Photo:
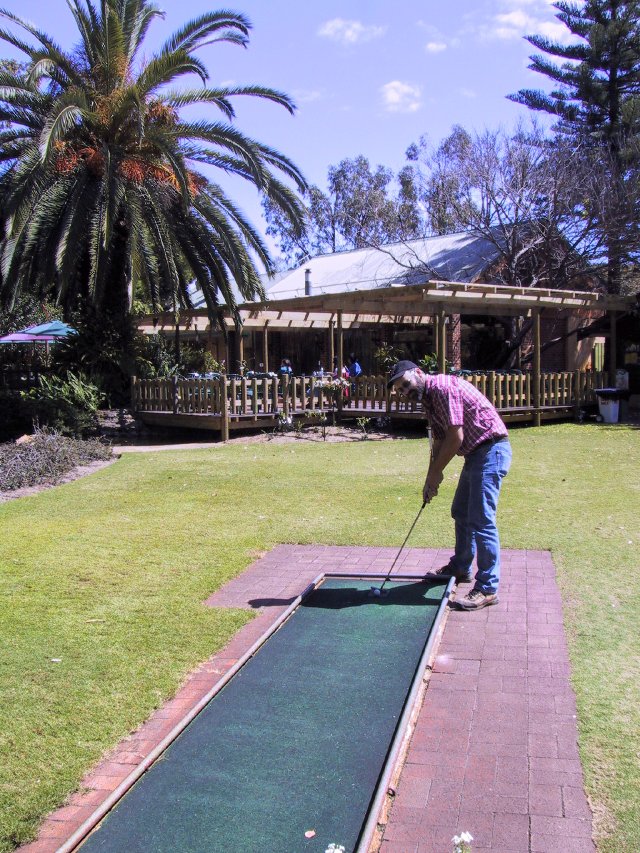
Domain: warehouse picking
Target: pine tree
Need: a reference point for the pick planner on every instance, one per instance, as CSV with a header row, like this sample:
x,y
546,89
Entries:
x,y
596,98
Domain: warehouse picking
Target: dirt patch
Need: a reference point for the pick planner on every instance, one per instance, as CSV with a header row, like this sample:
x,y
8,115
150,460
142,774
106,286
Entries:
x,y
314,435
69,477
309,435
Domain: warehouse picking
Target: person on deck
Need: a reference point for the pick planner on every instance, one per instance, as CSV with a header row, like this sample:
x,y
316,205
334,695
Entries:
x,y
354,367
463,423
285,367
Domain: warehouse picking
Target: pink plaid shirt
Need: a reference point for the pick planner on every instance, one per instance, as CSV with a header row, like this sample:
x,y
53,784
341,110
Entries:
x,y
452,401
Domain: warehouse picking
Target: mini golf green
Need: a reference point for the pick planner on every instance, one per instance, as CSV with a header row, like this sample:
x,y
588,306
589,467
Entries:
x,y
295,742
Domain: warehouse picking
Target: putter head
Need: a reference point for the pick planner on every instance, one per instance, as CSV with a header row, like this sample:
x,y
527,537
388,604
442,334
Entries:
x,y
378,592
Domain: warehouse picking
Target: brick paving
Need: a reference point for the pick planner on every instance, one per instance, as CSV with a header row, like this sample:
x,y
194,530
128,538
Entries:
x,y
494,748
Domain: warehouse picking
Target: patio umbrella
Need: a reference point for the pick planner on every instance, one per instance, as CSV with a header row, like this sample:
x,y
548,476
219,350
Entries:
x,y
54,329
44,333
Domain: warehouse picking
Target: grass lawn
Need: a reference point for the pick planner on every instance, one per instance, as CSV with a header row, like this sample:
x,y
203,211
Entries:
x,y
107,576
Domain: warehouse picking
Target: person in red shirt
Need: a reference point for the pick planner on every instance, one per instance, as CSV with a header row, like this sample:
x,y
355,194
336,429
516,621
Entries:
x,y
464,423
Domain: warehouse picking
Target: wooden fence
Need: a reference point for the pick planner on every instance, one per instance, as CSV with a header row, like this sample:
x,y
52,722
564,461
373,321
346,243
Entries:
x,y
235,403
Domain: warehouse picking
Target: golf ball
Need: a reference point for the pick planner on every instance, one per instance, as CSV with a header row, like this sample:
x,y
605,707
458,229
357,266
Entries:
x,y
376,591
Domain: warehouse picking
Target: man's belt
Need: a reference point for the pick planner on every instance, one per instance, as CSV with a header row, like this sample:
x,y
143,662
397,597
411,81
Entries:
x,y
490,441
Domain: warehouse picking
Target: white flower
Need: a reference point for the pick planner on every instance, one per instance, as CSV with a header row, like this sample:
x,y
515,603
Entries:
x,y
462,843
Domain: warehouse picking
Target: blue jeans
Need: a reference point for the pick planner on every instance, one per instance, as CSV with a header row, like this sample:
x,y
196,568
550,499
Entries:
x,y
474,511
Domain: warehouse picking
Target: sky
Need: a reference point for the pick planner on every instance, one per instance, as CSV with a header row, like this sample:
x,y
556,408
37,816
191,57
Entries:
x,y
368,78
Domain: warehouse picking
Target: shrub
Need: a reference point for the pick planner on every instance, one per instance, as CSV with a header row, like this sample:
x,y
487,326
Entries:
x,y
386,356
68,405
107,351
45,458
429,363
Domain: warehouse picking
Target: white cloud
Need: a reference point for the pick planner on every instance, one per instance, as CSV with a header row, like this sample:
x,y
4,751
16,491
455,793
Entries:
x,y
306,96
515,19
467,93
437,41
516,24
349,32
399,97
511,25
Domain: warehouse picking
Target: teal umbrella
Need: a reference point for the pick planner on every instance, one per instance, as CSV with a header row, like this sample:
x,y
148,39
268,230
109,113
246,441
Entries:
x,y
54,329
45,333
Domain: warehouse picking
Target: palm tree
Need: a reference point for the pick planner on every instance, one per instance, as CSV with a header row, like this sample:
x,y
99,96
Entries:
x,y
100,176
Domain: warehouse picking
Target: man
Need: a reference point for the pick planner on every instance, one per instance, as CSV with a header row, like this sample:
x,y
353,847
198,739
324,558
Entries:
x,y
464,423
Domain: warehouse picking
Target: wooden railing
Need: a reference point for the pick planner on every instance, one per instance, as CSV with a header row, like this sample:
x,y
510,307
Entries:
x,y
242,398
516,390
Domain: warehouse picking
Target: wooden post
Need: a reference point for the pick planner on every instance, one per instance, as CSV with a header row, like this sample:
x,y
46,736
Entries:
x,y
134,393
285,379
442,348
176,336
332,352
436,335
613,346
340,355
240,351
224,411
536,369
174,394
576,394
265,347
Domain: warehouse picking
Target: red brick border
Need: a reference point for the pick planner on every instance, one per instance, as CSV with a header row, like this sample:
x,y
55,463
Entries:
x,y
494,749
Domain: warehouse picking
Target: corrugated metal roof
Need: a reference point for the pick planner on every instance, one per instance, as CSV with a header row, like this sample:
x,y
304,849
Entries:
x,y
454,257
197,299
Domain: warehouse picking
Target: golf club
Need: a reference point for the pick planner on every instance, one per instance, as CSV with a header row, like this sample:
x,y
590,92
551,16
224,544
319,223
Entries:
x,y
377,592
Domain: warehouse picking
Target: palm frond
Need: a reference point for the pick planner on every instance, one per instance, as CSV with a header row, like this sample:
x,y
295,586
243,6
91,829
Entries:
x,y
73,226
86,24
174,158
59,123
25,97
23,46
166,67
215,97
220,212
136,21
161,237
113,65
56,54
264,92
197,32
17,115
227,137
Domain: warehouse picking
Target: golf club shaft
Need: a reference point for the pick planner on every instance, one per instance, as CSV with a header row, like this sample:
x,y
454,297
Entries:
x,y
403,544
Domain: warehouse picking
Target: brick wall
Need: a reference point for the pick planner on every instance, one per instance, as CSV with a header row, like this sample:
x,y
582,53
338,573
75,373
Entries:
x,y
454,341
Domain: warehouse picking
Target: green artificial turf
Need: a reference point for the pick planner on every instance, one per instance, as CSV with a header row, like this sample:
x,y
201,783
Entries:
x,y
295,742
107,575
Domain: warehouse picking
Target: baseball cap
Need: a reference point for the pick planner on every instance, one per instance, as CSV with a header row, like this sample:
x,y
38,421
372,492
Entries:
x,y
399,370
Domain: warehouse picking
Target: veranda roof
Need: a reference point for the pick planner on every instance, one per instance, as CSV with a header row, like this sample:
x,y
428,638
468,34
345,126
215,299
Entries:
x,y
399,304
402,303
